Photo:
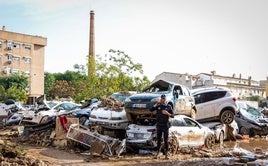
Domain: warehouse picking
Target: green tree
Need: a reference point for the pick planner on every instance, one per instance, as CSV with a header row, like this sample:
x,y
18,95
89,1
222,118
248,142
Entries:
x,y
48,84
115,71
14,87
62,89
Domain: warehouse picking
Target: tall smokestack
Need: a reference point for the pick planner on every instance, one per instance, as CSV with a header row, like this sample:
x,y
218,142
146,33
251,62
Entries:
x,y
91,54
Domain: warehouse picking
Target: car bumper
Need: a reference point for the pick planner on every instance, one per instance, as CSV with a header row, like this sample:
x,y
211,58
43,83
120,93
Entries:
x,y
144,143
112,124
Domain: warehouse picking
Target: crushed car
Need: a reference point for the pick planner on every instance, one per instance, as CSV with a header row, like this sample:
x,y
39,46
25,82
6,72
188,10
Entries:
x,y
61,108
221,130
184,132
250,121
178,97
83,114
110,116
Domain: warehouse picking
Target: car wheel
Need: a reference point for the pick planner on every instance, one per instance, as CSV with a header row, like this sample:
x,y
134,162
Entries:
x,y
227,117
82,120
44,119
244,131
252,132
210,141
173,145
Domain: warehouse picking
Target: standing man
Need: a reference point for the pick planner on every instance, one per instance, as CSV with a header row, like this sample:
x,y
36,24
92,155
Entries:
x,y
163,112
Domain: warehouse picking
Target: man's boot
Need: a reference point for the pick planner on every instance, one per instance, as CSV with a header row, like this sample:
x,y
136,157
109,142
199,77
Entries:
x,y
166,155
157,155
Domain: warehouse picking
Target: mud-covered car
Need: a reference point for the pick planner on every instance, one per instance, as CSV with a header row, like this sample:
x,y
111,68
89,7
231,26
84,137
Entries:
x,y
250,121
184,132
111,113
61,108
178,97
220,130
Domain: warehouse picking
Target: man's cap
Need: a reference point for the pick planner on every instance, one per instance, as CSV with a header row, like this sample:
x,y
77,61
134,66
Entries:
x,y
163,96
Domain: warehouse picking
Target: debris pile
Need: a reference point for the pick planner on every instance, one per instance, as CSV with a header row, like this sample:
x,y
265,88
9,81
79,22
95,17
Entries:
x,y
111,103
14,154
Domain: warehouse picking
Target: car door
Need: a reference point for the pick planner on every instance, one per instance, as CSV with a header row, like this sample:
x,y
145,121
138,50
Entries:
x,y
195,133
178,127
205,105
182,102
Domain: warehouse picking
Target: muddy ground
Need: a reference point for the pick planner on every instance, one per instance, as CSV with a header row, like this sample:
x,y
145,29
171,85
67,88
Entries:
x,y
17,153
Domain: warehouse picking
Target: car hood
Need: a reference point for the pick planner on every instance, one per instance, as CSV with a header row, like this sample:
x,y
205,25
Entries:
x,y
143,96
102,113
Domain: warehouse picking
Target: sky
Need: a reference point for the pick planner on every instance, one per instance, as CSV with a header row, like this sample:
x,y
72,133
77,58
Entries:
x,y
177,36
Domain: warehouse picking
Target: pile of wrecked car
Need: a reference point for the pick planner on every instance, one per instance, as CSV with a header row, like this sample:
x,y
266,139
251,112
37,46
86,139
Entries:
x,y
124,118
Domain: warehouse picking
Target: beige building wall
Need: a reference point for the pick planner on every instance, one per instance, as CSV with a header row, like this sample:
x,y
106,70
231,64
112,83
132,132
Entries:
x,y
23,54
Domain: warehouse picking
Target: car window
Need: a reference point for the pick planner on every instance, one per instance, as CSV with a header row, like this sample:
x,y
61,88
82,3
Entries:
x,y
185,91
208,96
66,106
176,122
253,111
190,123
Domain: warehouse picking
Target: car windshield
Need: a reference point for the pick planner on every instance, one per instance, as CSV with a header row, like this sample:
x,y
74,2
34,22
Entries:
x,y
162,87
249,111
120,96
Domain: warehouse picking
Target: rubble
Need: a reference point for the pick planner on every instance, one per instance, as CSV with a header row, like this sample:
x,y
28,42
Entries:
x,y
111,103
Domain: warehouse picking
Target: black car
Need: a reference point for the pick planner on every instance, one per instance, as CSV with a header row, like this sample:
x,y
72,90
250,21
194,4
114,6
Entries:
x,y
250,121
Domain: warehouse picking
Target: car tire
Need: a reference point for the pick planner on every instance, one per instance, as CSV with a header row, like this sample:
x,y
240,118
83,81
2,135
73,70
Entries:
x,y
210,141
82,120
173,146
244,131
227,117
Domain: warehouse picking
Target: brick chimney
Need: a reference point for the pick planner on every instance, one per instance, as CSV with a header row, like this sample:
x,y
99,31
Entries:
x,y
91,54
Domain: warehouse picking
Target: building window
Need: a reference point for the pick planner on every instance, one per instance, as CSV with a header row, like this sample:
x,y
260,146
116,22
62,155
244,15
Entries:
x,y
8,70
27,60
15,71
27,47
9,45
9,57
27,72
14,58
16,45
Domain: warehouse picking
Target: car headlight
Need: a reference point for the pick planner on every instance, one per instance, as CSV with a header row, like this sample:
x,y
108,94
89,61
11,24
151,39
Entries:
x,y
155,99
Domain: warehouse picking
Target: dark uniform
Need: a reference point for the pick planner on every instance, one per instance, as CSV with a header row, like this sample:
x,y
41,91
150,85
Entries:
x,y
162,123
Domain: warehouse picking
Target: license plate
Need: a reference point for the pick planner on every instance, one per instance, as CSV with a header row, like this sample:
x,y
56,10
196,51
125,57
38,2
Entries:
x,y
139,105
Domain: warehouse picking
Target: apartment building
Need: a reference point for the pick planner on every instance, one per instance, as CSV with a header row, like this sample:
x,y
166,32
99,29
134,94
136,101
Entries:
x,y
23,54
241,87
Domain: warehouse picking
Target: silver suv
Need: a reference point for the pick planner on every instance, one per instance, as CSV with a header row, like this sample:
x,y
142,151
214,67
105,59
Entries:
x,y
215,104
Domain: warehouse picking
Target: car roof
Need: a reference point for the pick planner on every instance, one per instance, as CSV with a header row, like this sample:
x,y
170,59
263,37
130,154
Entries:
x,y
209,89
